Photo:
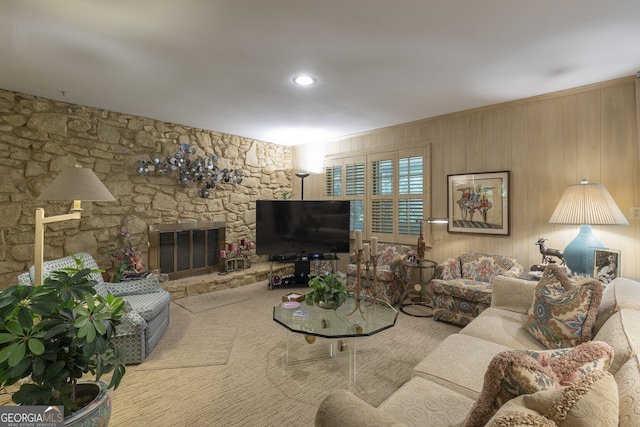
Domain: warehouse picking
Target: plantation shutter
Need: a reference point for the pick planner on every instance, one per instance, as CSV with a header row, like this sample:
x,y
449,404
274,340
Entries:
x,y
410,190
354,189
382,196
388,191
333,181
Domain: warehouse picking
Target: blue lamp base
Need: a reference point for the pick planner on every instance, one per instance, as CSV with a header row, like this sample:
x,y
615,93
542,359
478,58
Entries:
x,y
578,255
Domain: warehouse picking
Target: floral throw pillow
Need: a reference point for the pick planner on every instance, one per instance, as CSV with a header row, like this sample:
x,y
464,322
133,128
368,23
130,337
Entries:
x,y
563,314
591,400
516,372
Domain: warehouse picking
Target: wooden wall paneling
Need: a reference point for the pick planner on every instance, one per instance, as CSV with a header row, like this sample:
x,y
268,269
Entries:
x,y
435,132
547,142
514,135
618,150
528,184
499,159
634,271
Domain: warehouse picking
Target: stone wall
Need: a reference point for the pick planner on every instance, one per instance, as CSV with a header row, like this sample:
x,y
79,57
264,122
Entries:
x,y
40,137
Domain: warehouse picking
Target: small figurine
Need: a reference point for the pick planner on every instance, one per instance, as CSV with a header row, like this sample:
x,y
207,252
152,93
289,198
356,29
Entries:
x,y
547,253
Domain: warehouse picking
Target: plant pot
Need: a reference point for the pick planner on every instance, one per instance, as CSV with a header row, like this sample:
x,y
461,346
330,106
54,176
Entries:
x,y
97,412
325,304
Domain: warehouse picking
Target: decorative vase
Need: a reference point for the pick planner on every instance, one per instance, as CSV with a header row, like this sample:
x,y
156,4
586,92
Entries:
x,y
97,412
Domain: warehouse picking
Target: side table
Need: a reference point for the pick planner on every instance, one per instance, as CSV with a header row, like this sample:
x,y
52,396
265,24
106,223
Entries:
x,y
426,271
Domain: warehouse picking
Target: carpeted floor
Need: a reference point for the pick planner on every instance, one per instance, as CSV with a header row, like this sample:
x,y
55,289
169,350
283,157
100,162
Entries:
x,y
199,303
256,387
182,345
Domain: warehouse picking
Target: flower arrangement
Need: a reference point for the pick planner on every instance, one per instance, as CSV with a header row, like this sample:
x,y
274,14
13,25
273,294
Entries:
x,y
128,255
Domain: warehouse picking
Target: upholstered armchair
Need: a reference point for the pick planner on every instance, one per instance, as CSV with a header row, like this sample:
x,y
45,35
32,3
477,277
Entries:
x,y
390,274
146,306
463,288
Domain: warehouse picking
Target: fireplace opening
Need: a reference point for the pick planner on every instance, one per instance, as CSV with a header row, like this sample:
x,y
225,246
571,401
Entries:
x,y
186,249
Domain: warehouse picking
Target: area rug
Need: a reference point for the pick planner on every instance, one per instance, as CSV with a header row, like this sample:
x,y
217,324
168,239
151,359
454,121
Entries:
x,y
211,300
256,386
191,341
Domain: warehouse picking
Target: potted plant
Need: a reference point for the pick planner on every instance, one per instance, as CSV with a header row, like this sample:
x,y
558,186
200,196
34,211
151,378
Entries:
x,y
326,291
51,335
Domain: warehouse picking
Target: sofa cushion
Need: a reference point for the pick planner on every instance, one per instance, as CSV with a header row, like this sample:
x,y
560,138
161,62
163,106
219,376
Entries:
x,y
483,267
622,332
68,262
510,293
621,293
146,285
342,407
590,400
562,315
420,402
149,306
464,289
459,363
628,381
502,327
513,373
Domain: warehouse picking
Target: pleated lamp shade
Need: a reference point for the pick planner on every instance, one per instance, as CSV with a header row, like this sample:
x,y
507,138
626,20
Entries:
x,y
586,204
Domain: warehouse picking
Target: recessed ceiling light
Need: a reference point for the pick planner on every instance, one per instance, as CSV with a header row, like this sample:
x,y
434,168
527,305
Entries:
x,y
304,80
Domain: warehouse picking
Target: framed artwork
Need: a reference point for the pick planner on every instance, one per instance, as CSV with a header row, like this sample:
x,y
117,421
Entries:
x,y
606,265
478,203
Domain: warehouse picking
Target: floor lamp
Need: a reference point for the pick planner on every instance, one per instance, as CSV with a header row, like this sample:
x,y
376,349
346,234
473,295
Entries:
x,y
302,176
75,184
586,204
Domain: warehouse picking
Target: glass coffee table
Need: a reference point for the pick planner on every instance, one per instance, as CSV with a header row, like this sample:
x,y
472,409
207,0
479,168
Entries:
x,y
343,327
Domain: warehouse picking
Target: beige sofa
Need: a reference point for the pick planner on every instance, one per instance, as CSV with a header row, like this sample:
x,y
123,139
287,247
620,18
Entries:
x,y
445,384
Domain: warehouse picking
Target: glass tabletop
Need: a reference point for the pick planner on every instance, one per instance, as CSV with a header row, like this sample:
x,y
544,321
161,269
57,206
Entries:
x,y
344,322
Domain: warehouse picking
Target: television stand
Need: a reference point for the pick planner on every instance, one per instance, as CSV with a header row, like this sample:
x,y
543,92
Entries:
x,y
301,271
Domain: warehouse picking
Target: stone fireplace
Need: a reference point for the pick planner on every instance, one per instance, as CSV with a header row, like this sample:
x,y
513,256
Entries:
x,y
186,249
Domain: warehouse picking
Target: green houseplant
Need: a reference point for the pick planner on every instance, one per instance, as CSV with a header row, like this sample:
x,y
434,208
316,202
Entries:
x,y
326,291
51,335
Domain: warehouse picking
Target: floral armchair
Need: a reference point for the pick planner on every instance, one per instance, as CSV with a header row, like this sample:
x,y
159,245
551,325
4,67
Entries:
x,y
463,288
390,274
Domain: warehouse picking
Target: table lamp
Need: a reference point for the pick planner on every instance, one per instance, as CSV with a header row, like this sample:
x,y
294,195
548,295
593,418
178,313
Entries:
x,y
586,204
71,184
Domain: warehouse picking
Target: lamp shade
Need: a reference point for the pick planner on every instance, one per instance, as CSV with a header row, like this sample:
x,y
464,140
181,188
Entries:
x,y
77,184
586,203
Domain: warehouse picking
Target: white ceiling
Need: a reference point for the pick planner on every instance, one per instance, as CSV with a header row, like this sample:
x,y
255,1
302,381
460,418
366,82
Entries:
x,y
228,65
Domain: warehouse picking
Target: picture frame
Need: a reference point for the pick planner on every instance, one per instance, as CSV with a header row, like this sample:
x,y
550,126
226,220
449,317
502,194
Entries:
x,y
478,203
606,265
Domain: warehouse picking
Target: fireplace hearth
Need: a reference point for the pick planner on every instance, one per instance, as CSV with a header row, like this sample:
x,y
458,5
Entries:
x,y
186,249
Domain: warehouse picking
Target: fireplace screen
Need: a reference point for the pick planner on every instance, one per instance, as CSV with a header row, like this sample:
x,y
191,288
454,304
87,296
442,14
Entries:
x,y
188,249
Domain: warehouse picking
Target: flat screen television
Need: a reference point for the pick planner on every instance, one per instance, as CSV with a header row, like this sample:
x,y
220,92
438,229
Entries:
x,y
302,227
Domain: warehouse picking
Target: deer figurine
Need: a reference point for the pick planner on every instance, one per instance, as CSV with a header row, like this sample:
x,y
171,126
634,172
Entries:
x,y
547,253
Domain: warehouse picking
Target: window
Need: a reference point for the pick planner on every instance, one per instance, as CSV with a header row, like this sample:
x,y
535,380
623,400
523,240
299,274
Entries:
x,y
410,190
388,192
348,186
382,189
333,180
355,186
